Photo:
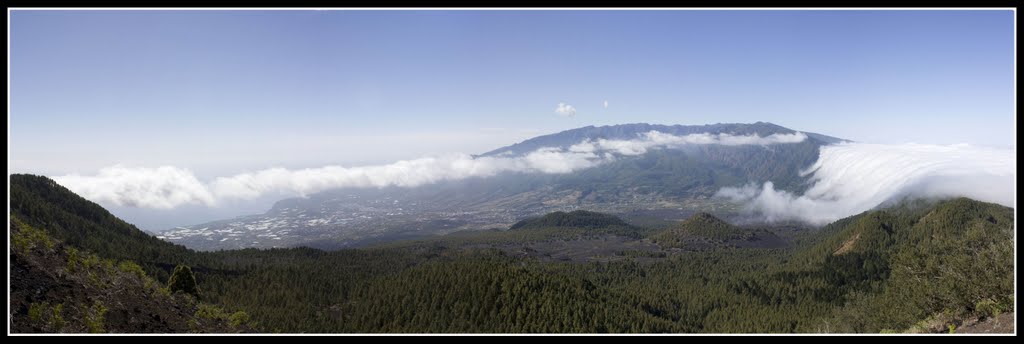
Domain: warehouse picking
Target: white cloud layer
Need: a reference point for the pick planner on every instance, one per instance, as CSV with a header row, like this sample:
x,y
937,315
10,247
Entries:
x,y
850,178
565,110
162,187
168,187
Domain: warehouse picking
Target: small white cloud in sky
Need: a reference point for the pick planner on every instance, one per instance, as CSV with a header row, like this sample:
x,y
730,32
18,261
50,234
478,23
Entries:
x,y
565,110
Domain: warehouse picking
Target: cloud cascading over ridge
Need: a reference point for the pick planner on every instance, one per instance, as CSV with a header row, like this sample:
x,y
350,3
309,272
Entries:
x,y
565,110
168,187
851,178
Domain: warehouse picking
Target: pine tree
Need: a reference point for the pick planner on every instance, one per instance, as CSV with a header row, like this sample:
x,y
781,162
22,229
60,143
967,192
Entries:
x,y
182,279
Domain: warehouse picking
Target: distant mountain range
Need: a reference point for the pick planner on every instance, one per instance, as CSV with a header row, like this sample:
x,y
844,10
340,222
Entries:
x,y
662,184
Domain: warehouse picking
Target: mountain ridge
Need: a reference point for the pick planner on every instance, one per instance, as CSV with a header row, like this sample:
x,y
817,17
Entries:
x,y
630,130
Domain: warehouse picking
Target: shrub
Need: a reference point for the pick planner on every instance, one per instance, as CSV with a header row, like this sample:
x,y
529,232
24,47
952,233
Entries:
x,y
239,318
94,318
35,311
73,259
58,318
183,280
211,312
988,308
132,268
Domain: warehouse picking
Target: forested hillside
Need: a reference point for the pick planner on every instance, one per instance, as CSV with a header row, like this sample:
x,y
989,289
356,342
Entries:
x,y
40,202
897,269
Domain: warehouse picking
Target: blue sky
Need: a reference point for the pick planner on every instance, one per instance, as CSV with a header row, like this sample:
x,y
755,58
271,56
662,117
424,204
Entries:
x,y
224,91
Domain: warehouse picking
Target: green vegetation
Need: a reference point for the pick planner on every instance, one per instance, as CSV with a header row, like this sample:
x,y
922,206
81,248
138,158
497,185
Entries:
x,y
58,318
94,318
703,226
99,295
48,318
183,280
35,311
989,308
29,238
42,203
131,268
239,318
642,254
575,219
906,267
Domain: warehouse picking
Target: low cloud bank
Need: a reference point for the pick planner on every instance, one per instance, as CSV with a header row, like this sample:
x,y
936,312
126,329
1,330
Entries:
x,y
168,187
850,178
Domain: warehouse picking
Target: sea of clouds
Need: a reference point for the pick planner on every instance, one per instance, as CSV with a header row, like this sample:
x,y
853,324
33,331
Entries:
x,y
848,178
168,187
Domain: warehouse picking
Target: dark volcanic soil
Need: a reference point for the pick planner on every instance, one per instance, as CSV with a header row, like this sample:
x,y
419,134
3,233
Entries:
x,y
1003,323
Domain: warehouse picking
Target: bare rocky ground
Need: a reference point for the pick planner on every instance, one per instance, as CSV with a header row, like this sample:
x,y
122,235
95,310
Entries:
x,y
57,289
1003,323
